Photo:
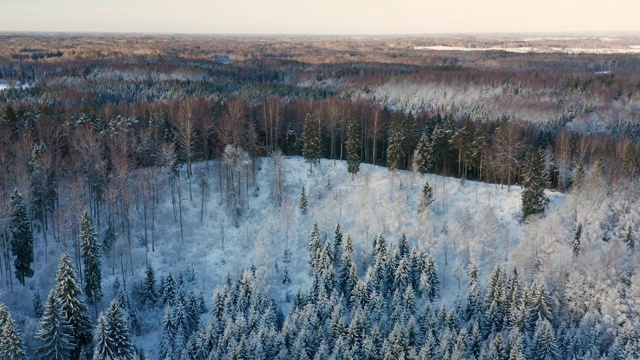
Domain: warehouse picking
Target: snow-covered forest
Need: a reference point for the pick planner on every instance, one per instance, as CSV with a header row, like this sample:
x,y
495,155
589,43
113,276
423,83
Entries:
x,y
197,210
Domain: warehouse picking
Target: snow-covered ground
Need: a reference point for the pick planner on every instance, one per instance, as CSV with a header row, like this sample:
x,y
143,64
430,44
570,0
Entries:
x,y
633,49
469,223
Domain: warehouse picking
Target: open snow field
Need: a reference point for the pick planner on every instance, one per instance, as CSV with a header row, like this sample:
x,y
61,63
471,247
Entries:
x,y
470,222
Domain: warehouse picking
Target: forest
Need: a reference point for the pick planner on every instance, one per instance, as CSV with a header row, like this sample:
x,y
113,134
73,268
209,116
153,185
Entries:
x,y
195,197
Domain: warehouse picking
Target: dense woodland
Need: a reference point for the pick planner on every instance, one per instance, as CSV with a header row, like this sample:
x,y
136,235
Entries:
x,y
89,139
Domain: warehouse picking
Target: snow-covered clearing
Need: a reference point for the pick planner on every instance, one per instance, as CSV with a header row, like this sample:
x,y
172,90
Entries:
x,y
470,222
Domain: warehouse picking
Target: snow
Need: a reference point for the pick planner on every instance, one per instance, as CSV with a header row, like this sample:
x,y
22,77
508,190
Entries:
x,y
378,201
470,222
524,49
633,49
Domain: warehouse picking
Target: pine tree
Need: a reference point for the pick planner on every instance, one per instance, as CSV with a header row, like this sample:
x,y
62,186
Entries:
x,y
21,237
353,146
303,203
11,345
423,155
311,140
38,308
122,346
426,197
534,180
91,260
56,334
576,240
150,295
73,310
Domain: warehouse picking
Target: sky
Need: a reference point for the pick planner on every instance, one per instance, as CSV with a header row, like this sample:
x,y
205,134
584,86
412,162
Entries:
x,y
320,16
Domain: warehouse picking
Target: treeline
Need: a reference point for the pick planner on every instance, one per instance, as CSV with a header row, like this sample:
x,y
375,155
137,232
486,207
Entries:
x,y
198,128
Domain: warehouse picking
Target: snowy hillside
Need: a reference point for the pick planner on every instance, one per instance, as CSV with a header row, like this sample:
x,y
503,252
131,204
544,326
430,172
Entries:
x,y
470,224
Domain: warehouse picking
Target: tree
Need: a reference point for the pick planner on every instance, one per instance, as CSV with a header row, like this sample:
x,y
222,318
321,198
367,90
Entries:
x,y
395,154
56,334
423,155
103,340
121,346
38,308
169,333
278,176
426,197
576,240
311,140
628,238
74,311
544,346
169,290
21,237
303,204
91,259
508,147
11,345
237,163
429,281
150,295
534,180
109,239
353,146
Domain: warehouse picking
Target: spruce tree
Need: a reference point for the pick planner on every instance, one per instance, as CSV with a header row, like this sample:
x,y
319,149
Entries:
x,y
169,334
169,290
311,140
534,180
303,203
150,294
426,197
395,154
56,334
11,344
103,340
74,311
429,281
353,147
544,346
21,237
628,238
38,307
422,160
91,260
122,346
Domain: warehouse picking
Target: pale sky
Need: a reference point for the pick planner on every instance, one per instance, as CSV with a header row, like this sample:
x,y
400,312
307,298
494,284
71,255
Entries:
x,y
320,16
